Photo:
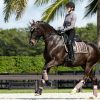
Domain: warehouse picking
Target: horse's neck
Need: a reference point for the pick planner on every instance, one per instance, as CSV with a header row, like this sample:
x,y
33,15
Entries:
x,y
51,39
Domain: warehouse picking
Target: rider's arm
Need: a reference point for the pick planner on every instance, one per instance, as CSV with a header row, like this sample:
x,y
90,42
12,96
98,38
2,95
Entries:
x,y
73,20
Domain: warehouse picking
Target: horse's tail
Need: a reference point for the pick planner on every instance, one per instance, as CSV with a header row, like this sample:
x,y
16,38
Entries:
x,y
99,53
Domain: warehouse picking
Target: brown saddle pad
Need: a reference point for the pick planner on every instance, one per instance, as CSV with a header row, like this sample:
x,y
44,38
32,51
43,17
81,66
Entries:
x,y
80,47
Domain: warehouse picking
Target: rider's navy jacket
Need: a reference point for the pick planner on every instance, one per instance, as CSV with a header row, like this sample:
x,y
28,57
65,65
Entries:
x,y
69,22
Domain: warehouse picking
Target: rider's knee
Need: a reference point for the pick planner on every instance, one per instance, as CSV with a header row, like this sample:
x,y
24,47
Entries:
x,y
69,42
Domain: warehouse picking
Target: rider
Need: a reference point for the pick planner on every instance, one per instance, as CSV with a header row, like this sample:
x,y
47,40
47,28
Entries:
x,y
69,30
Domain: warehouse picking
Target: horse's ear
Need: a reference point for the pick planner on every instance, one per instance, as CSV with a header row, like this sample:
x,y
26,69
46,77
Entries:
x,y
42,21
30,23
37,22
33,21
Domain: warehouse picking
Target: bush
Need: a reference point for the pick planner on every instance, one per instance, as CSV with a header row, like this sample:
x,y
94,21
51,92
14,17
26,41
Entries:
x,y
15,42
27,64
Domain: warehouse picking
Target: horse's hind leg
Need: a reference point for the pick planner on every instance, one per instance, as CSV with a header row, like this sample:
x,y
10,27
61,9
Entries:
x,y
85,78
78,86
95,87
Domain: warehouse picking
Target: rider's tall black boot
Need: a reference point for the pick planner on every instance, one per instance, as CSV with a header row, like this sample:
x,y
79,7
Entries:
x,y
71,53
70,56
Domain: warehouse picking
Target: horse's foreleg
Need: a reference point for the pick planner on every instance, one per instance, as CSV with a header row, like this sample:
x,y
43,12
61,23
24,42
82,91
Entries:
x,y
45,74
44,79
47,69
40,84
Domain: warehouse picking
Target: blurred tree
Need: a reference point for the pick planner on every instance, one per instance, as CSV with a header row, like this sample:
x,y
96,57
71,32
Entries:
x,y
15,42
56,8
88,33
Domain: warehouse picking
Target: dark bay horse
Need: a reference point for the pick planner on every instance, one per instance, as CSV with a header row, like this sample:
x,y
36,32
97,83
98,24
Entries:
x,y
54,55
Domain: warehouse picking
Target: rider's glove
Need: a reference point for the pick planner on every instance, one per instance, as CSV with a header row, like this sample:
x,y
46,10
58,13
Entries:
x,y
60,31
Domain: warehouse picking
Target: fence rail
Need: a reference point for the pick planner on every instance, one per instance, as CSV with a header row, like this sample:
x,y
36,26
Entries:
x,y
38,77
28,81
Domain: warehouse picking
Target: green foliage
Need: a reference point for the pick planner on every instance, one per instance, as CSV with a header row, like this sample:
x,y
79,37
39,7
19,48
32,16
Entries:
x,y
88,33
7,65
14,7
52,11
55,9
91,8
54,70
17,56
15,42
21,64
42,2
27,64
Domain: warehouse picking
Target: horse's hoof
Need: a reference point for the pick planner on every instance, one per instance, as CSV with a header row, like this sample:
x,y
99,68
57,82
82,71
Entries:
x,y
48,83
92,98
95,94
73,92
38,92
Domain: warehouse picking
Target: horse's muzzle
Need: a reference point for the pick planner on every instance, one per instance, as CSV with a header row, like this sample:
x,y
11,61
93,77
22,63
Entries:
x,y
32,42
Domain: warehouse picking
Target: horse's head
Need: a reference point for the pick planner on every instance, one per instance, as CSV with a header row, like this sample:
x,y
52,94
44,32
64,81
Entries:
x,y
38,29
36,32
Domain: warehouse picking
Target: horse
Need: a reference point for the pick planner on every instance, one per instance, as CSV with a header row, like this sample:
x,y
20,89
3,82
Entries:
x,y
55,53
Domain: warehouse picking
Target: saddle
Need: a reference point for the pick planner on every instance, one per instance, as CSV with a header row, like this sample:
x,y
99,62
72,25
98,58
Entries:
x,y
79,46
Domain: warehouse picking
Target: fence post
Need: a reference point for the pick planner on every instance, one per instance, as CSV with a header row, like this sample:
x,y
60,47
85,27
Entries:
x,y
36,85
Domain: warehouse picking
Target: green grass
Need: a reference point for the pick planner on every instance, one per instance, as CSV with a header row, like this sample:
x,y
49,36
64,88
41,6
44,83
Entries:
x,y
45,90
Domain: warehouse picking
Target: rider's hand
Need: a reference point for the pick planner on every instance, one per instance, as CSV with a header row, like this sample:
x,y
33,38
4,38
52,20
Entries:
x,y
62,31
